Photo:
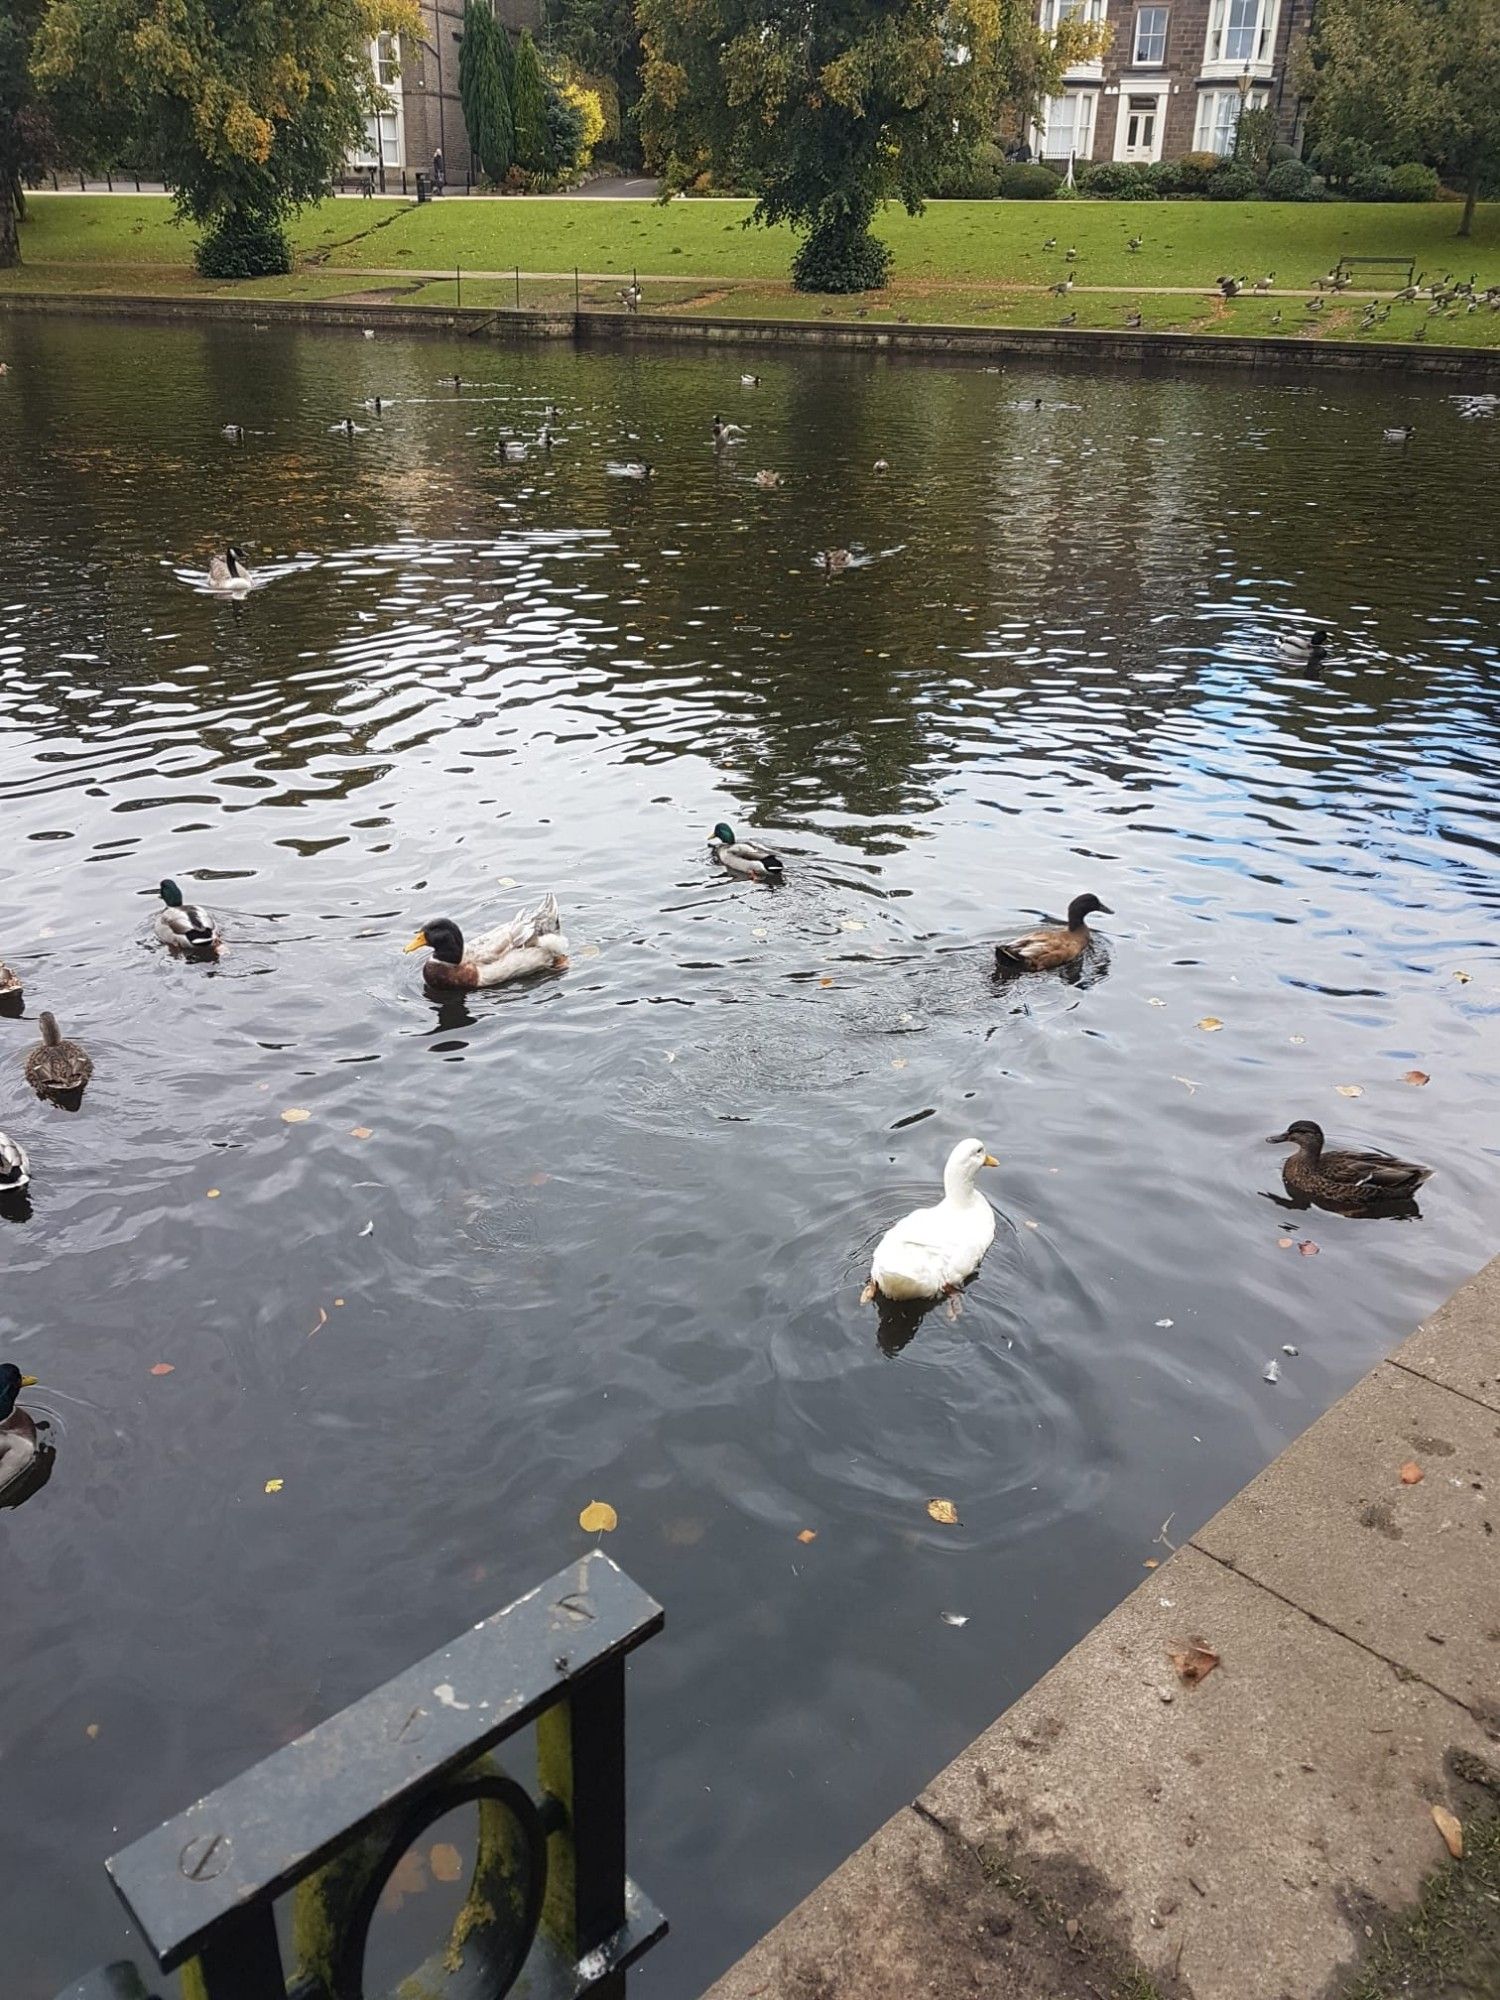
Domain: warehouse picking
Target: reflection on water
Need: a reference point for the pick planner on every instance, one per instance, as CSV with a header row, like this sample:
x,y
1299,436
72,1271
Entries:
x,y
604,1236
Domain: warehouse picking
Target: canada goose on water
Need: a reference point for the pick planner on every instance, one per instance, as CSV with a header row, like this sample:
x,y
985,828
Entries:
x,y
230,572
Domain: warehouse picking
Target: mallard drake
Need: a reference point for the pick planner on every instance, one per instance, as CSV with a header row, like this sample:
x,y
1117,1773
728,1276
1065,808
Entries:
x,y
235,432
931,1252
20,1447
15,1168
57,1068
1346,1180
1051,945
230,572
1306,649
531,942
745,857
749,381
630,468
185,926
1399,433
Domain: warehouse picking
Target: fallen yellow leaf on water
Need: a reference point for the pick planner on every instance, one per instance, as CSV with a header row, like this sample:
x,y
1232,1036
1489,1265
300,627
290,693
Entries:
x,y
825,981
598,1518
295,1115
162,1368
1307,1248
92,1731
898,1062
212,1195
808,1535
274,1485
1285,1243
1350,1089
1452,1832
446,1862
1151,1562
1411,1473
1416,1076
360,1132
1210,1024
944,1511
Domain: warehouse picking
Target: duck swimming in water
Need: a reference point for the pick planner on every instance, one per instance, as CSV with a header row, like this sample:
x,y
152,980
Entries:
x,y
184,926
56,1069
15,1168
531,942
1349,1181
230,572
745,857
932,1252
22,1454
1051,945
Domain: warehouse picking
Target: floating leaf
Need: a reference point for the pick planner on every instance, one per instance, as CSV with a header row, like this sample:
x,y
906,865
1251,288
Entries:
x,y
274,1485
825,981
1411,1473
445,1862
851,923
1307,1248
1187,1083
212,1194
1350,1089
1164,1322
407,1878
807,1535
944,1511
1449,1828
1296,1040
954,1617
1154,1002
1151,1562
898,1062
1285,1243
1194,1659
360,1132
295,1115
1210,1024
91,1731
1463,978
1416,1076
163,1368
506,881
598,1518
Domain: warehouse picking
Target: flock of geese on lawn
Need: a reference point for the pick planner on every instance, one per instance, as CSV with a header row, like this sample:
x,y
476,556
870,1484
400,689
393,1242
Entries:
x,y
928,1255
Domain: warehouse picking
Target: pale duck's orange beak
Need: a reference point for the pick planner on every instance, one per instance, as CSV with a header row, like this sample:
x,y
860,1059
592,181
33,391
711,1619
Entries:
x,y
990,1160
416,944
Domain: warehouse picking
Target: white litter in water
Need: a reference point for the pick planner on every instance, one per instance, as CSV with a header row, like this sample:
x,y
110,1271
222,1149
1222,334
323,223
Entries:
x,y
955,1617
1166,1322
1273,1371
1289,1350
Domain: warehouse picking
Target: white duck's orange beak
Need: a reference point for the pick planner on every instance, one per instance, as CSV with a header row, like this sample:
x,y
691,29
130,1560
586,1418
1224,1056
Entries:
x,y
416,944
989,1160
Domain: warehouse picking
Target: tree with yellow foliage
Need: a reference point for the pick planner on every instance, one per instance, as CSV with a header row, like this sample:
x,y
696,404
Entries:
x,y
826,110
248,108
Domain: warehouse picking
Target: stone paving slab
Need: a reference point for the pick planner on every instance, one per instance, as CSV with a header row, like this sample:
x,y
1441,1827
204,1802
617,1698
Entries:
x,y
1460,1345
1231,1836
1413,1572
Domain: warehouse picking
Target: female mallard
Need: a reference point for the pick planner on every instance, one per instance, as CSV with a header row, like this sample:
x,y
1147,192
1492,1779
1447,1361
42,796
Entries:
x,y
57,1069
745,857
531,942
1050,946
931,1252
12,991
1345,1180
185,926
25,1460
15,1168
230,572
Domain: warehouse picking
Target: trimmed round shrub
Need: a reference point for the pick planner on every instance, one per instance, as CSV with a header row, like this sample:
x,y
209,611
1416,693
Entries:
x,y
1020,181
1413,182
1194,171
243,244
1164,177
1292,180
841,256
974,179
1230,181
1116,180
1370,184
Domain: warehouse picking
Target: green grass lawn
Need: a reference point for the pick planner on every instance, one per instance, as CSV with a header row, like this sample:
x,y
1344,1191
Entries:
x,y
976,262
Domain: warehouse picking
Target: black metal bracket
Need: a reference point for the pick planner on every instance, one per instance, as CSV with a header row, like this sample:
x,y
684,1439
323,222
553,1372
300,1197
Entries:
x,y
327,1819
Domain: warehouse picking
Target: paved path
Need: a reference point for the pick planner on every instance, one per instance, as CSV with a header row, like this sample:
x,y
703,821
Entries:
x,y
1242,1838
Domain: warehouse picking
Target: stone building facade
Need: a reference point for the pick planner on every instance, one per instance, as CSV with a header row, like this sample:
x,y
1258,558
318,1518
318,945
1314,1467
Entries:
x,y
420,78
1174,78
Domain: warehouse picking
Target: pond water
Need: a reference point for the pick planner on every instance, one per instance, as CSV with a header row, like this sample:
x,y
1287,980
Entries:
x,y
603,1237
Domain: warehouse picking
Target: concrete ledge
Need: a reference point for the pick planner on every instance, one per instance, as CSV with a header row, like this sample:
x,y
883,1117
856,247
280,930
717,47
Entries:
x,y
1152,353
1121,1833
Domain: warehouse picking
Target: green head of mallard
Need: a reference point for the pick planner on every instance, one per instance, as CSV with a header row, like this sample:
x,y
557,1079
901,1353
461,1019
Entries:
x,y
12,1382
171,895
724,835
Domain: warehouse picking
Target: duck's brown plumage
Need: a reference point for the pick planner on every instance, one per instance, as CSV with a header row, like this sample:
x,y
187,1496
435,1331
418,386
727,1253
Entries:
x,y
1050,945
56,1067
1344,1179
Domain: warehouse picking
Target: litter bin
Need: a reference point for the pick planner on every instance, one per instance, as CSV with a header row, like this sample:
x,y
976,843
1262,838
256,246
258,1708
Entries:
x,y
424,187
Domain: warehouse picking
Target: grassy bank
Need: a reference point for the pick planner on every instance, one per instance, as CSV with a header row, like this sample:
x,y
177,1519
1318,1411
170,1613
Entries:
x,y
961,262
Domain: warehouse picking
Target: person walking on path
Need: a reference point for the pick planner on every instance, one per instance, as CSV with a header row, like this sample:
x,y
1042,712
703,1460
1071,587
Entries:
x,y
437,170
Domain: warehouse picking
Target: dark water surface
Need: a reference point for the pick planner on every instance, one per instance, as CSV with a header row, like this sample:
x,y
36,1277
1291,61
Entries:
x,y
606,1235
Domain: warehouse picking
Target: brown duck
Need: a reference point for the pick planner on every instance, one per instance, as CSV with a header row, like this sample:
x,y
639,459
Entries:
x,y
57,1068
1349,1181
11,991
1052,945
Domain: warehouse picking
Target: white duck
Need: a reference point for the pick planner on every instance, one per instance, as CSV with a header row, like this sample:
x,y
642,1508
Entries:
x,y
531,942
15,1168
931,1252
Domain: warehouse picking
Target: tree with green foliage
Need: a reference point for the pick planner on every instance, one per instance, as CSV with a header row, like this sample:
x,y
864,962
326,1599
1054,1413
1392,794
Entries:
x,y
248,107
1409,80
24,129
482,90
829,110
529,105
602,38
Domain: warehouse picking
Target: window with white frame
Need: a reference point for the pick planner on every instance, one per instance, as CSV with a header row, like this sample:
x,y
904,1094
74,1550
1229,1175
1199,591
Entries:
x,y
1219,118
1151,36
1068,125
386,60
1054,12
1240,31
381,144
